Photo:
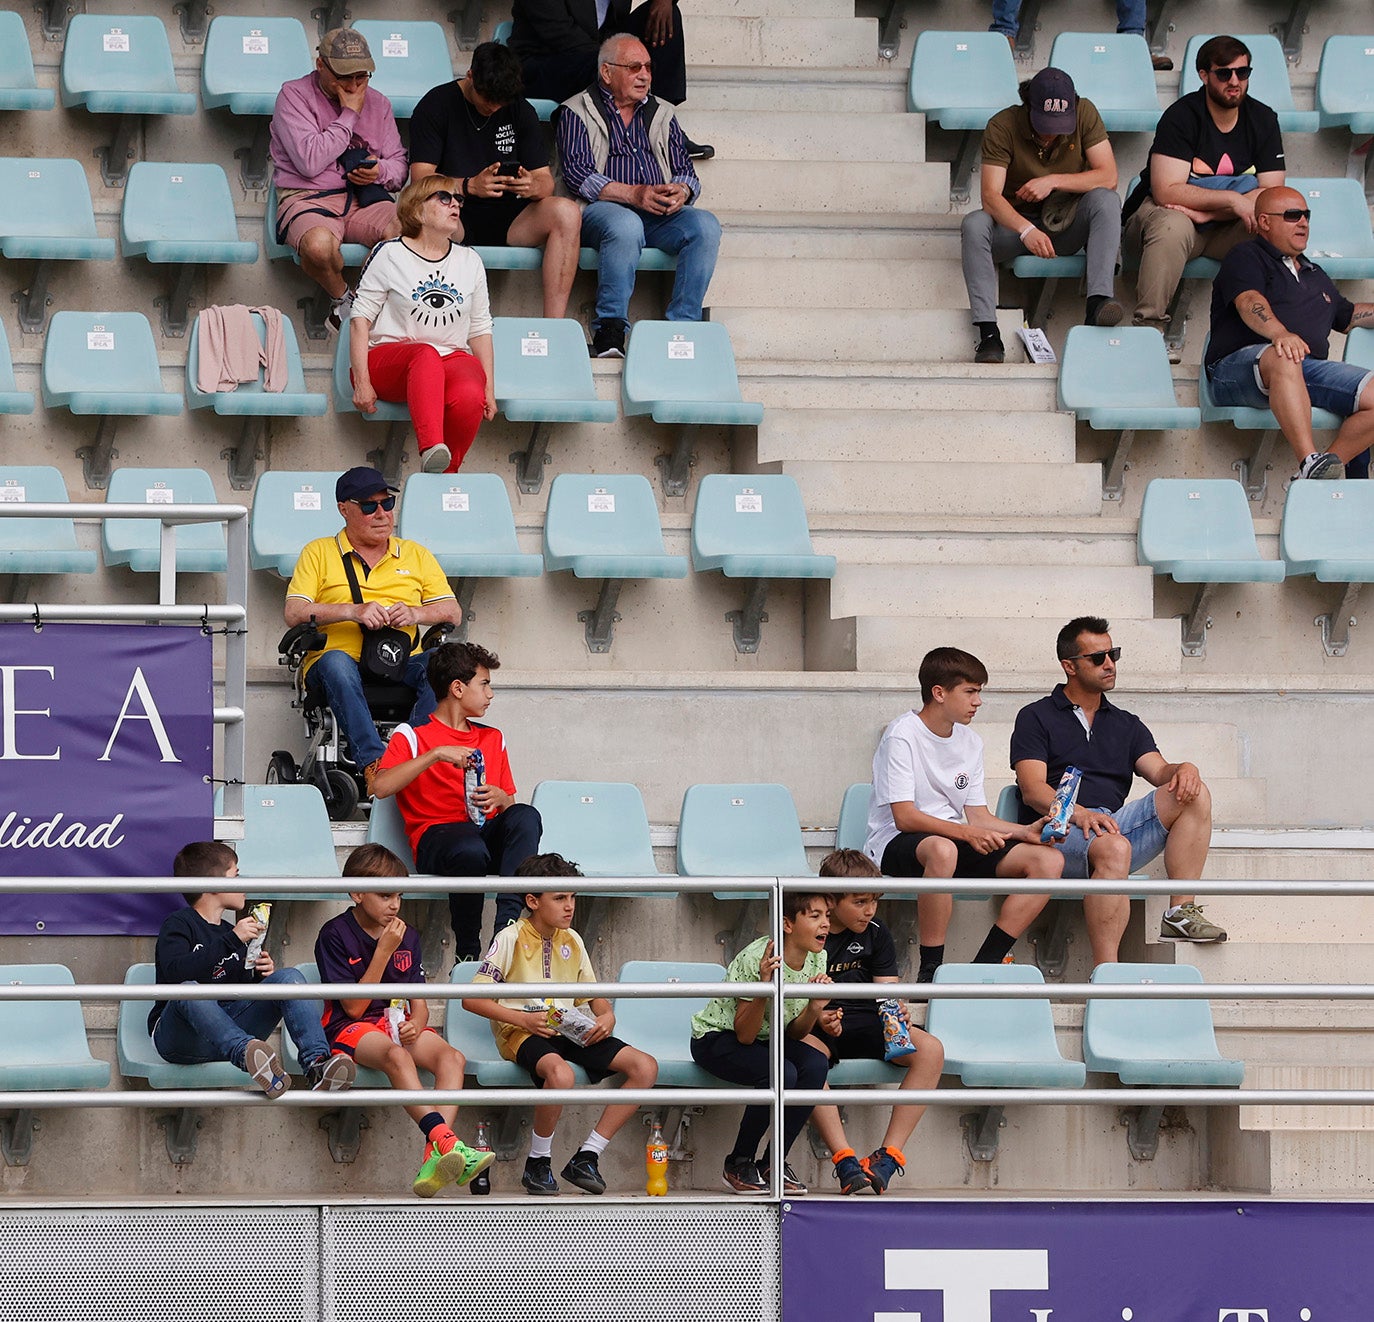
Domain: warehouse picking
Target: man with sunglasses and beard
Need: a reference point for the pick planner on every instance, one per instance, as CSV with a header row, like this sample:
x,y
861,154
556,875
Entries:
x,y
1214,149
1273,312
1109,837
402,587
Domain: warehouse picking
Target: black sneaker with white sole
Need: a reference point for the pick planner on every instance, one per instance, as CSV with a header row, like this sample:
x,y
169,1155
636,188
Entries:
x,y
742,1176
608,340
333,1074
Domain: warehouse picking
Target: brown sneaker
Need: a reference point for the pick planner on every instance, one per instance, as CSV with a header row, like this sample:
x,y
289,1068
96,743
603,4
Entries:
x,y
370,774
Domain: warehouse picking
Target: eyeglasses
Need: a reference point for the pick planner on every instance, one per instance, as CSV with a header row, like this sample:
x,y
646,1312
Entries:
x,y
1225,75
388,503
1292,215
1097,658
633,68
361,76
445,198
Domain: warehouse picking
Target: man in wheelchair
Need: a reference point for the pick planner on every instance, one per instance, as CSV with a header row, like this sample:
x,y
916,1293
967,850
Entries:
x,y
368,593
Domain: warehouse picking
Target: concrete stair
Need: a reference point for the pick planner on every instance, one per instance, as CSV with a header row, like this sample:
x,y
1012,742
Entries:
x,y
800,42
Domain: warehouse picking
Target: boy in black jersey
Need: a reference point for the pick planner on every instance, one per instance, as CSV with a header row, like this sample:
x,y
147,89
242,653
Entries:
x,y
860,949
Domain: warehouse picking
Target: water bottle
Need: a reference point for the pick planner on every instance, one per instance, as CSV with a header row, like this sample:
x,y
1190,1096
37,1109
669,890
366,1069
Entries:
x,y
481,1184
656,1163
474,777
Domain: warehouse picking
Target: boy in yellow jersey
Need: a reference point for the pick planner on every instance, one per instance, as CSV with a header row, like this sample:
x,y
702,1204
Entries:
x,y
542,947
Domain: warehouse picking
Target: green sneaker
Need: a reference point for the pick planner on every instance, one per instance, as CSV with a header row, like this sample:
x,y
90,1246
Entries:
x,y
1188,924
456,1166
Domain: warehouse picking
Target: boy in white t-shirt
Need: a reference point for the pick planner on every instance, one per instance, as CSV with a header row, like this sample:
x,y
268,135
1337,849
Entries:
x,y
928,815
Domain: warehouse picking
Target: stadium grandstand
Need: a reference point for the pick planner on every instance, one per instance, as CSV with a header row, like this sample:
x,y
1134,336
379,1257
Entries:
x,y
710,572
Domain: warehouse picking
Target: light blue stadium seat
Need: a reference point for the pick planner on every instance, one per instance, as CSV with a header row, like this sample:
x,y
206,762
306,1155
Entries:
x,y
1113,70
248,59
12,399
387,411
120,64
1146,1042
43,1044
138,1058
286,833
1345,84
250,398
46,216
606,526
754,528
410,58
601,826
465,519
1268,83
1359,347
510,259
662,1026
19,88
650,259
1117,379
386,827
502,31
960,80
1340,240
181,214
38,546
290,509
543,375
740,831
200,547
852,831
1199,530
1328,532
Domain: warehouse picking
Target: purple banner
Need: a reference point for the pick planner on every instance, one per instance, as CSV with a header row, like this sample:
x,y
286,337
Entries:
x,y
105,756
1076,1262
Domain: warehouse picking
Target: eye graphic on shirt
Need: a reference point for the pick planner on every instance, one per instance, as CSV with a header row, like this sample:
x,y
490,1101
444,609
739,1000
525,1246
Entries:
x,y
435,302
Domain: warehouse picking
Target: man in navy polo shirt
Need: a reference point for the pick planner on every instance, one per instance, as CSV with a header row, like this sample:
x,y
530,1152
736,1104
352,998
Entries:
x,y
1273,312
1108,837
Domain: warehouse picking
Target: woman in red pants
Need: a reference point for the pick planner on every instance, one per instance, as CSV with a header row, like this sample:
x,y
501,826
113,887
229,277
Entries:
x,y
421,326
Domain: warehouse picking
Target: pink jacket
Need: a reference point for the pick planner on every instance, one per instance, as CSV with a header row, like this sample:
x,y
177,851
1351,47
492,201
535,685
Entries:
x,y
310,133
231,353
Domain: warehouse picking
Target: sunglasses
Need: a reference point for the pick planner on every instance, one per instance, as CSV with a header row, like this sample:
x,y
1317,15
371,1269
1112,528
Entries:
x,y
1292,215
1097,658
387,503
635,67
445,198
1225,75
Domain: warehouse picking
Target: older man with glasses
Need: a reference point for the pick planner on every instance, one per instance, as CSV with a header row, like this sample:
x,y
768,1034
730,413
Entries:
x,y
1214,149
1075,726
1273,312
337,158
399,585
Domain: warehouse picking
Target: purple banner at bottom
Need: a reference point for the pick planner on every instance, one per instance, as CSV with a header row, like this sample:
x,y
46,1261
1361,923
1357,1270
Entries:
x,y
1077,1262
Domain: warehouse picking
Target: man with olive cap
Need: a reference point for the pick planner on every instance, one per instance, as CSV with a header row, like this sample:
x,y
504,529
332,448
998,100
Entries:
x,y
1048,187
402,587
335,152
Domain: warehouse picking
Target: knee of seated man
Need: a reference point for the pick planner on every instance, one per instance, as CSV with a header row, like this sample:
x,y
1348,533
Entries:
x,y
318,245
940,852
1111,851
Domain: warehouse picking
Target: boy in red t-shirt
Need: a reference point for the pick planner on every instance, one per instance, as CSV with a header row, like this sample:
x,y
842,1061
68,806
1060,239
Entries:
x,y
425,767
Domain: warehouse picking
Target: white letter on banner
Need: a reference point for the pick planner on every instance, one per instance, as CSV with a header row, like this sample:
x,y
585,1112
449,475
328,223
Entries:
x,y
139,685
966,1278
1243,1315
8,751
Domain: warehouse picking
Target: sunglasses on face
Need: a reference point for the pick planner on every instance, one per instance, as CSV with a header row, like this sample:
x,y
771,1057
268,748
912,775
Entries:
x,y
1097,658
634,67
1225,75
445,198
388,503
1292,215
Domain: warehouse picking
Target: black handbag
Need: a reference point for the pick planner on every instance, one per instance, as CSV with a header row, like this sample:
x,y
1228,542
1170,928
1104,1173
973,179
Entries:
x,y
385,651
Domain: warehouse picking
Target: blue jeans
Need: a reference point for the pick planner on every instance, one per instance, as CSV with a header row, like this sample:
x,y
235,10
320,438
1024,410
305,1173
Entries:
x,y
1006,16
620,233
195,1032
1331,385
337,675
1139,823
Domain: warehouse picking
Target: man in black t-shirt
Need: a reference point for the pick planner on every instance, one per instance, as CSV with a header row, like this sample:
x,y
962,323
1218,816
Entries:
x,y
1214,149
481,131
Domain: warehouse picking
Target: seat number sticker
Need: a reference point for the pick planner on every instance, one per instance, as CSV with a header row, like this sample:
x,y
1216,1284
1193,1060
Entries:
x,y
600,502
455,502
305,500
748,502
158,495
115,40
395,48
681,348
534,345
99,339
11,495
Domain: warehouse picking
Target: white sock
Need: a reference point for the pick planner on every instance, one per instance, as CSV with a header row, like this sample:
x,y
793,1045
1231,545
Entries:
x,y
541,1145
595,1143
1172,911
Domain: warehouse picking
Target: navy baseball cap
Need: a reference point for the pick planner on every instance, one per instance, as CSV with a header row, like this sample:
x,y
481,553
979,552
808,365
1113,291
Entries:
x,y
359,484
1052,101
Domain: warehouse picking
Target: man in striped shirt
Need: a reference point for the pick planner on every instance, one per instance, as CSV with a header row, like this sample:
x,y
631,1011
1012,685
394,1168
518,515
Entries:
x,y
623,156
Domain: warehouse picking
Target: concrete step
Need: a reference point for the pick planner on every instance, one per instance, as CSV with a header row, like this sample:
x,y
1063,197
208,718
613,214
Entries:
x,y
786,282
944,387
1008,645
1213,748
772,138
893,247
1315,1119
802,187
699,9
1287,860
949,544
784,43
745,91
975,590
1273,961
893,436
1306,919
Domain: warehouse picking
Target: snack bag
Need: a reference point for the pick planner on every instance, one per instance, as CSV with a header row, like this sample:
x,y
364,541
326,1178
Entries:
x,y
262,912
896,1036
474,777
574,1023
396,1014
1057,828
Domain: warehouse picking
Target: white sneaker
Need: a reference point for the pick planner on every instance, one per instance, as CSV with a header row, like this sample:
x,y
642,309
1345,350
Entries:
x,y
436,459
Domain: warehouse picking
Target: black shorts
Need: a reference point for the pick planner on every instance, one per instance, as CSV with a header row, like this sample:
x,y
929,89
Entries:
x,y
488,227
899,857
595,1059
861,1038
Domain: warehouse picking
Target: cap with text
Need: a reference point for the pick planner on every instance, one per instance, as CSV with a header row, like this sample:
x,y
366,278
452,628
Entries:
x,y
345,51
1052,102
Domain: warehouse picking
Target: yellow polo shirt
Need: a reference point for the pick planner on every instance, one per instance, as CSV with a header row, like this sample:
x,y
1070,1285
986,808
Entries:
x,y
407,575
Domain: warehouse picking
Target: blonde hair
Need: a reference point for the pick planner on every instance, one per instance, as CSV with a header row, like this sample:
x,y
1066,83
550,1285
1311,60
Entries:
x,y
414,196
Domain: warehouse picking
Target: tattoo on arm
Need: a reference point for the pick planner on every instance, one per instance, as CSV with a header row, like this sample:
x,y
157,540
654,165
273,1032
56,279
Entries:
x,y
1260,310
1363,312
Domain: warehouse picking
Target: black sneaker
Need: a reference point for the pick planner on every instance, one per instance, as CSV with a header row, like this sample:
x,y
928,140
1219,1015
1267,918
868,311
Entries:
x,y
538,1177
333,1074
853,1178
742,1176
582,1171
480,1183
698,151
608,340
990,349
791,1185
1107,312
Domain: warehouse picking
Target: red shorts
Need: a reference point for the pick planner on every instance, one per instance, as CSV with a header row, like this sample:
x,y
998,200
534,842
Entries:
x,y
345,1041
299,213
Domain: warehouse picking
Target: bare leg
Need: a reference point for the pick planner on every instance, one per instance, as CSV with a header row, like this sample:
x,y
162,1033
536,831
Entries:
x,y
922,1071
554,224
640,1071
556,1073
1289,400
1357,431
1109,858
322,261
1190,835
937,857
376,1051
1025,860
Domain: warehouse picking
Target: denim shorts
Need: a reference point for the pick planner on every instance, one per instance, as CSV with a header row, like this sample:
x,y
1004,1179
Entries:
x,y
1139,823
1334,386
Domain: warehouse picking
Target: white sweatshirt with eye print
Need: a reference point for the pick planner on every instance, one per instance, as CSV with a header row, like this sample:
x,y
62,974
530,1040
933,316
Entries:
x,y
407,297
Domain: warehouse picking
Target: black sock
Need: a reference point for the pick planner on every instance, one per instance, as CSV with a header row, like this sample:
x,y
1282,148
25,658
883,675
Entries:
x,y
931,959
429,1123
987,330
996,945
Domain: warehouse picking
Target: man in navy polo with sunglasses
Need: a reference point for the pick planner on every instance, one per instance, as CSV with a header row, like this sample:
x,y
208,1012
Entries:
x,y
402,587
1214,148
1273,312
1108,837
